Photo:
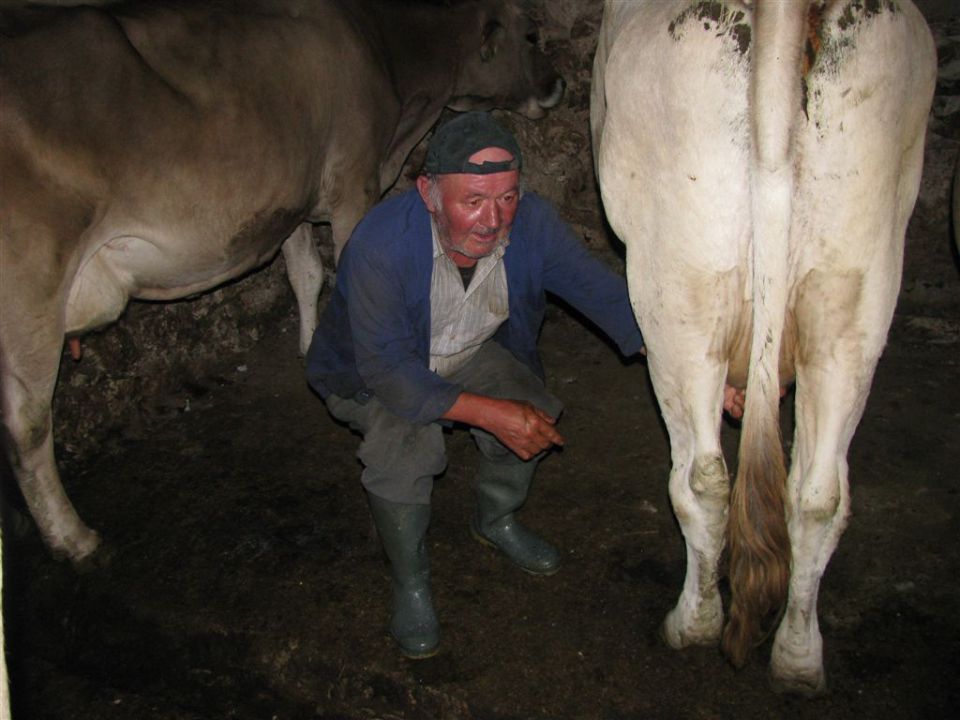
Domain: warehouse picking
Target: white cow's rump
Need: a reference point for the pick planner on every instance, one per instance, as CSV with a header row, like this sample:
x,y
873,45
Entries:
x,y
760,162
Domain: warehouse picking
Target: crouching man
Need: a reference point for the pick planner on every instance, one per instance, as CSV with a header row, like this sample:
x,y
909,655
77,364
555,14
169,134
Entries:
x,y
440,296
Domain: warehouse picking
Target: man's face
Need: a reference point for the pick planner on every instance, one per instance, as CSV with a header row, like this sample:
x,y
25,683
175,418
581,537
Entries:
x,y
475,212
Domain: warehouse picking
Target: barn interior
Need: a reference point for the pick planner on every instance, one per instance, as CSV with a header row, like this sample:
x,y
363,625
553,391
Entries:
x,y
245,579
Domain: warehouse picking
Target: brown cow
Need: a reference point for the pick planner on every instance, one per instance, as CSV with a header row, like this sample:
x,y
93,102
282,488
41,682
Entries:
x,y
157,150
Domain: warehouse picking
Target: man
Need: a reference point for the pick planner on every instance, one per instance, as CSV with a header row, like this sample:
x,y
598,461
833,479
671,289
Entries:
x,y
439,300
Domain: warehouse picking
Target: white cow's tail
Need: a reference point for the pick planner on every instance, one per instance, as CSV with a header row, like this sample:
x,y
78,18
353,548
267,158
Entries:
x,y
757,533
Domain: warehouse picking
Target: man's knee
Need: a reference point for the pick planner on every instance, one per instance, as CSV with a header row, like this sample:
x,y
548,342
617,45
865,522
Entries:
x,y
499,454
389,440
494,371
400,458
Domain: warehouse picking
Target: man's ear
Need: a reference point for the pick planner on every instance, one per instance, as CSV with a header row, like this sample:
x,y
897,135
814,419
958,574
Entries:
x,y
423,187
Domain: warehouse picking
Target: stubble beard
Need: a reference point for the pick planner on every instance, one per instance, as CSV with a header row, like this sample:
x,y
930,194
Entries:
x,y
443,234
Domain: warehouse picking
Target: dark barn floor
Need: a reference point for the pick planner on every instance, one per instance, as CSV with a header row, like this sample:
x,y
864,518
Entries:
x,y
247,581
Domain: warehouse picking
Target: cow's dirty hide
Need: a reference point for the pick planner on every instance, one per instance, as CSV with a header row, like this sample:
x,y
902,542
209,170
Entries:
x,y
247,581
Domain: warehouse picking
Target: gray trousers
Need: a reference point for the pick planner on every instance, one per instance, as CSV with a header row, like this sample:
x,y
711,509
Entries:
x,y
400,458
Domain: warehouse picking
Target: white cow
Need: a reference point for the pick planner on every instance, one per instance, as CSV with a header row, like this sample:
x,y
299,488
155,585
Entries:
x,y
760,161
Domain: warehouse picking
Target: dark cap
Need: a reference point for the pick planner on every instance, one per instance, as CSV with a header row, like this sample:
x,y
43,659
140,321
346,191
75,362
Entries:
x,y
453,144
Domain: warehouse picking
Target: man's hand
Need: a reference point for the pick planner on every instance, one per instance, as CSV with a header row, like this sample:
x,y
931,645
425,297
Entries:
x,y
733,400
523,428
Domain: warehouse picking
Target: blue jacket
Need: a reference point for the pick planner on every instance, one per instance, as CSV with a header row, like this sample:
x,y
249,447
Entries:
x,y
374,335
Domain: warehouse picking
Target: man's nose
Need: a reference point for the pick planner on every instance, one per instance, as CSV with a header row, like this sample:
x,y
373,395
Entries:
x,y
490,216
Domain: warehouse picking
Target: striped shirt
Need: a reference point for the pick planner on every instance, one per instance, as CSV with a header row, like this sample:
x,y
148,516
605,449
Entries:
x,y
462,319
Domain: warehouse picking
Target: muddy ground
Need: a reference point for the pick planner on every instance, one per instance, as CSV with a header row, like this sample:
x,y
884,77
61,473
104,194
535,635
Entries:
x,y
246,579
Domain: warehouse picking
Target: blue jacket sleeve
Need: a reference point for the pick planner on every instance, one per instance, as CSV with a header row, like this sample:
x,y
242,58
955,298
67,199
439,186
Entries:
x,y
572,273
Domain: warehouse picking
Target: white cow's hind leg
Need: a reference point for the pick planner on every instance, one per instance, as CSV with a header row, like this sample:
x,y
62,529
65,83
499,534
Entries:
x,y
699,492
305,270
819,499
862,153
843,320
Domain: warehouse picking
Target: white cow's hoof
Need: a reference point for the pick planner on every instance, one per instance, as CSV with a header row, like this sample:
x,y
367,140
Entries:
x,y
807,683
676,635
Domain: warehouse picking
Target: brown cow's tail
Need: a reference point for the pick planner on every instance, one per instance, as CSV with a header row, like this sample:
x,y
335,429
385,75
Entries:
x,y
758,541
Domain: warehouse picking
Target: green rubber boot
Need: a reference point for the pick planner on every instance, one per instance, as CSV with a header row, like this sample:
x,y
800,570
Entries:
x,y
501,489
402,529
